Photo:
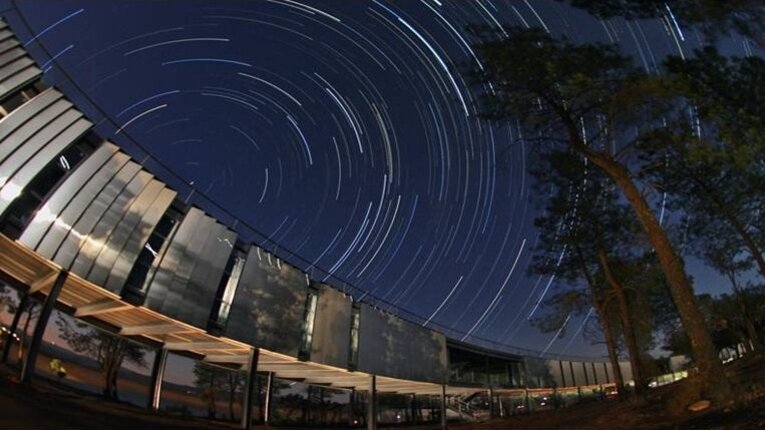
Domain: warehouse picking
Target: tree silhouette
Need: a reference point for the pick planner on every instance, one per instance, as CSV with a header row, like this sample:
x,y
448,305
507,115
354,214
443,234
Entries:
x,y
108,350
711,17
590,100
213,382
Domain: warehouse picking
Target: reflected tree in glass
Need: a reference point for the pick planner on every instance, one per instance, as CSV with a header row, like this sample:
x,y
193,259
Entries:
x,y
109,351
212,381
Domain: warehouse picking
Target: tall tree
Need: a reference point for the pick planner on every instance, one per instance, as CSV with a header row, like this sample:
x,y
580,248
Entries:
x,y
584,230
591,100
108,350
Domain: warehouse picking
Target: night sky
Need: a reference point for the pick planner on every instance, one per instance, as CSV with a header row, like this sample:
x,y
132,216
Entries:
x,y
343,131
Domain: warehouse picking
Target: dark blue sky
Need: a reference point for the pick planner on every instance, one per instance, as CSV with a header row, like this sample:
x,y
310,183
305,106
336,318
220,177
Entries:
x,y
341,130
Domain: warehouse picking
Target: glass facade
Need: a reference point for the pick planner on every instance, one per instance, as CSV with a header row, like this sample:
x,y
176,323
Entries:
x,y
475,368
94,361
194,388
23,208
135,285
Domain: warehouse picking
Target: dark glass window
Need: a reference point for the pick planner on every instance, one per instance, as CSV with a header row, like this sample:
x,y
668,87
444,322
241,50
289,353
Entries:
x,y
138,279
20,97
23,208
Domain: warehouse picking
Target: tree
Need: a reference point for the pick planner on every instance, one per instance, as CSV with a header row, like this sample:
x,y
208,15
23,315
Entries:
x,y
726,262
108,350
586,236
712,169
212,380
712,17
592,101
729,326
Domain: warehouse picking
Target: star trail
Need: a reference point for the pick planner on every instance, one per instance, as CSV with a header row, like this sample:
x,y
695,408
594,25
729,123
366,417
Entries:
x,y
345,131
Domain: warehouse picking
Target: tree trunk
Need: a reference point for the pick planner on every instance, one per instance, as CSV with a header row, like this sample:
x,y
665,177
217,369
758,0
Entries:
x,y
624,316
605,326
709,366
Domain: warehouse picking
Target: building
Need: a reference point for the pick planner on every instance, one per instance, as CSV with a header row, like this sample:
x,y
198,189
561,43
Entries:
x,y
91,233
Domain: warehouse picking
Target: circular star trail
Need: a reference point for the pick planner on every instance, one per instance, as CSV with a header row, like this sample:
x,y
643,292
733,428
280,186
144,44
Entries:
x,y
343,131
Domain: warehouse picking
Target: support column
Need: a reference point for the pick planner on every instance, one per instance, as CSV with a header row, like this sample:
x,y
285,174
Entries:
x,y
157,374
14,326
352,400
527,400
30,360
372,404
444,425
413,408
491,403
269,393
555,399
252,376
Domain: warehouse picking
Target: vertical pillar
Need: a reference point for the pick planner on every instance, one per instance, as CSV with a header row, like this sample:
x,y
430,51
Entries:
x,y
605,367
157,374
491,403
555,402
443,407
14,326
269,393
586,377
501,407
573,375
249,395
372,404
527,400
413,408
30,360
352,400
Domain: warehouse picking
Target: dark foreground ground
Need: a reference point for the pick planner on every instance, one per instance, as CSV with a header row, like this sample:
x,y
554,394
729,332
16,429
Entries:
x,y
43,406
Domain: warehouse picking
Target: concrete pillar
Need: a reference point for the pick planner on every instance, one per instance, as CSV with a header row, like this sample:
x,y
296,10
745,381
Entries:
x,y
157,374
269,392
491,403
413,408
14,326
372,404
30,360
444,425
249,395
